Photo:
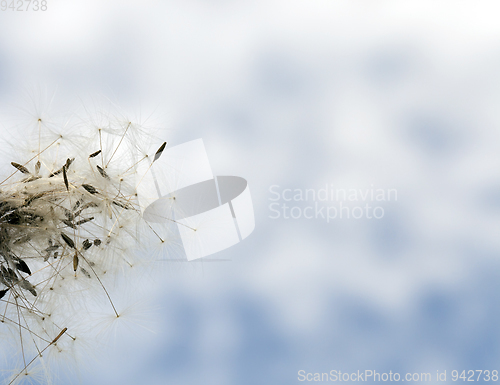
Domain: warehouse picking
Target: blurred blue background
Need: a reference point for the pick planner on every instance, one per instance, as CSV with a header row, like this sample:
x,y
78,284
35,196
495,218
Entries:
x,y
357,94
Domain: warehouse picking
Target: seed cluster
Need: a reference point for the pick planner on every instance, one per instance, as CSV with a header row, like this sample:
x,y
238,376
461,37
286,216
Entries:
x,y
67,227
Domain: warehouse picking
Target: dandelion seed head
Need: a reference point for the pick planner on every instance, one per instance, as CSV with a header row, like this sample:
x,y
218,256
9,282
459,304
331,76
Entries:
x,y
71,237
77,250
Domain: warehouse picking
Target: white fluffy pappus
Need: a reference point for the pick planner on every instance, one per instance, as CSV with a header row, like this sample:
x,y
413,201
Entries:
x,y
71,235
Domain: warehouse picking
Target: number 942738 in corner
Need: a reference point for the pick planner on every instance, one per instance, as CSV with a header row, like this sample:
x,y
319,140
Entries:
x,y
474,375
23,5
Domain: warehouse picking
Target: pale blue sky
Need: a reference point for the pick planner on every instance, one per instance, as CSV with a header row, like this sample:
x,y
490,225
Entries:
x,y
392,94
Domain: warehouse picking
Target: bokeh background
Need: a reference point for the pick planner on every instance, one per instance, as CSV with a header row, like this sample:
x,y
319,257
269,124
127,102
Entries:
x,y
355,94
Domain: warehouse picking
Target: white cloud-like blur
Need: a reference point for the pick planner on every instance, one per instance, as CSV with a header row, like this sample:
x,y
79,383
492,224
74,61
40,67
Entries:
x,y
398,95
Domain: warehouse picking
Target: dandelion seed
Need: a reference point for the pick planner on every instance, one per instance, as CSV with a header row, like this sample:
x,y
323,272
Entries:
x,y
75,261
102,172
83,221
65,178
121,205
94,154
21,168
22,266
160,151
89,188
68,162
68,223
68,240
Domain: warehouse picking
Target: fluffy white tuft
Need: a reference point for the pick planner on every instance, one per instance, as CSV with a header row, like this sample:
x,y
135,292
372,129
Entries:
x,y
71,236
